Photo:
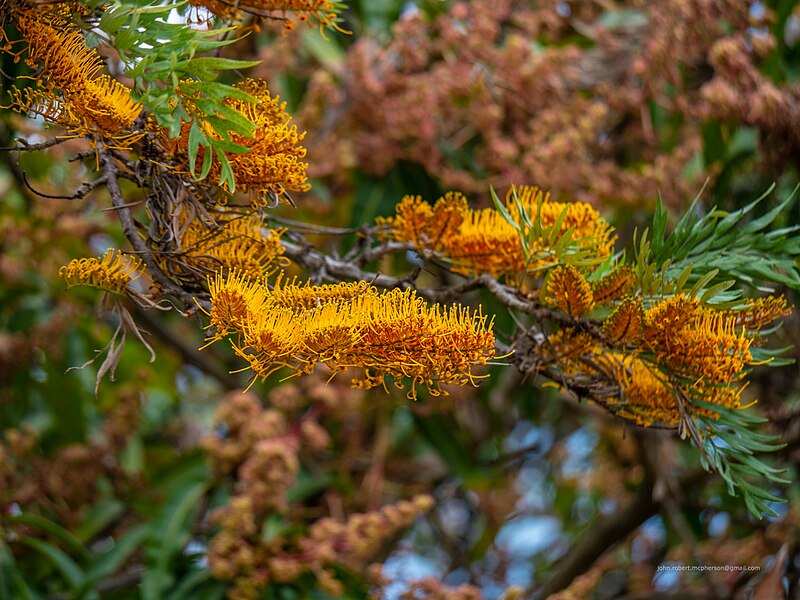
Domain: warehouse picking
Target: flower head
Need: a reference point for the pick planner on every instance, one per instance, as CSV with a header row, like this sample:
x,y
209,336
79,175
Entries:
x,y
350,325
73,94
485,241
272,166
112,272
614,286
626,323
569,291
235,300
697,342
239,244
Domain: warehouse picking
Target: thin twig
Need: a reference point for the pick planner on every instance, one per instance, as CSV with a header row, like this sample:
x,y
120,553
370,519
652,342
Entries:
x,y
168,286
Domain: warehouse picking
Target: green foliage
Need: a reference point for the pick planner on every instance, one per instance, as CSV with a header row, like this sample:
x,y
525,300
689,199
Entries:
x,y
717,257
730,446
707,254
547,243
165,58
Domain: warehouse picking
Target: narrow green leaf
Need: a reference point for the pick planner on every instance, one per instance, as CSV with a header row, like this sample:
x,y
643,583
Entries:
x,y
68,568
67,539
108,564
716,290
196,139
226,178
167,536
500,206
701,283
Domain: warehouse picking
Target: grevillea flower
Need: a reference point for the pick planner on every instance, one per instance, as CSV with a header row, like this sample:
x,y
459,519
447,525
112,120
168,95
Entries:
x,y
73,94
696,341
314,13
646,399
402,337
567,349
614,286
760,312
329,332
272,166
626,324
112,272
428,227
239,244
270,340
303,296
568,290
350,325
484,241
234,302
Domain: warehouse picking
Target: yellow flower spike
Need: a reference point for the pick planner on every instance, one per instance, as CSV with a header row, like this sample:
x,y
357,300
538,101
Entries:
x,y
483,241
112,272
626,323
351,325
304,297
761,312
646,399
74,94
234,301
239,244
696,341
614,286
566,348
272,165
567,289
273,334
328,333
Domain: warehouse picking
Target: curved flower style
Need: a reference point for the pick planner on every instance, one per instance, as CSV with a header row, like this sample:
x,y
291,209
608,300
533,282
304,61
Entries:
x,y
236,301
112,272
74,94
350,325
490,241
271,165
239,244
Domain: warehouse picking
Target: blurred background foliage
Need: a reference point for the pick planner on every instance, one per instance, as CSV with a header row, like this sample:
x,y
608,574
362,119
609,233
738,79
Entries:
x,y
614,103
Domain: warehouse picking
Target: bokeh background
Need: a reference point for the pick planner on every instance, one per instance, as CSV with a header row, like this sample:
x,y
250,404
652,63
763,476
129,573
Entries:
x,y
129,493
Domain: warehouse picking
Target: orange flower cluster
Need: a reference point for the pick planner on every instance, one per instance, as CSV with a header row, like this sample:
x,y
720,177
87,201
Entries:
x,y
569,291
272,165
314,13
484,241
112,272
73,93
350,325
676,350
238,243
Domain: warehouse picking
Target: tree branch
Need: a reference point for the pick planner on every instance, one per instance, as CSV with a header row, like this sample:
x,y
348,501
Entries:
x,y
111,175
606,532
